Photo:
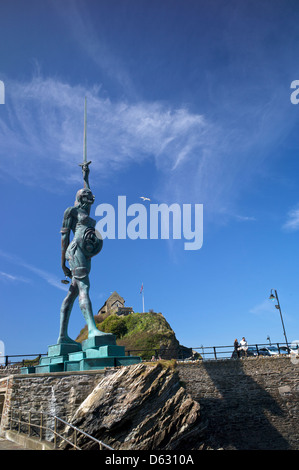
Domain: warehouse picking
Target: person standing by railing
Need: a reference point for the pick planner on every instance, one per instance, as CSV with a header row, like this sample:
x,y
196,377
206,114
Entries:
x,y
236,348
244,345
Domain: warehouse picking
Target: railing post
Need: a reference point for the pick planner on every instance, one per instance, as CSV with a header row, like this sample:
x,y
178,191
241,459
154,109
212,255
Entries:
x,y
55,435
29,423
41,426
75,438
257,350
19,424
215,352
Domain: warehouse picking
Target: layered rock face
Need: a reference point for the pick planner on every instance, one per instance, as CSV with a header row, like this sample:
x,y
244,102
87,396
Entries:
x,y
141,407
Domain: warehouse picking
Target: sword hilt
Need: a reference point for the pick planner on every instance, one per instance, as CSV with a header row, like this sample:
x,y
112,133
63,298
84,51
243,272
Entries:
x,y
85,163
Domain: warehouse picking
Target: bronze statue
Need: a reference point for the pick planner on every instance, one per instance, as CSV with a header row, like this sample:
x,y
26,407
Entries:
x,y
85,244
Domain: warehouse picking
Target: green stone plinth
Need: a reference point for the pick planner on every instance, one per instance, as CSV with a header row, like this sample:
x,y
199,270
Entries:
x,y
71,366
44,361
96,363
97,341
103,362
95,353
99,358
28,370
105,351
49,368
77,356
110,350
63,349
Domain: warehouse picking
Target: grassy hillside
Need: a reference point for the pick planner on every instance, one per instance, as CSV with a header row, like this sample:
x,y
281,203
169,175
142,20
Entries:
x,y
149,332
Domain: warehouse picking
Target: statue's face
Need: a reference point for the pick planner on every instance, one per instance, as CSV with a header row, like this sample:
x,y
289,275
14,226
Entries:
x,y
85,197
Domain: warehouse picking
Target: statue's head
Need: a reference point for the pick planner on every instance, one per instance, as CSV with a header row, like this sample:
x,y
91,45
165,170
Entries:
x,y
84,198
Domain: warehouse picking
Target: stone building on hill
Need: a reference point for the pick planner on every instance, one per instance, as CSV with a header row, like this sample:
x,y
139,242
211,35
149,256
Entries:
x,y
115,304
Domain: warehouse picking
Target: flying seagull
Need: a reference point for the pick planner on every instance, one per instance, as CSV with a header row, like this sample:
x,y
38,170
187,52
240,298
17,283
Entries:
x,y
145,198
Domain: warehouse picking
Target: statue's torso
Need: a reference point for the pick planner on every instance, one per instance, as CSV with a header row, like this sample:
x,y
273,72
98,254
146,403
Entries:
x,y
85,236
81,223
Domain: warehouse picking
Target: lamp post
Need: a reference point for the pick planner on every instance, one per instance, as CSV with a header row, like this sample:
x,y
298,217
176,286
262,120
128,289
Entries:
x,y
273,297
269,339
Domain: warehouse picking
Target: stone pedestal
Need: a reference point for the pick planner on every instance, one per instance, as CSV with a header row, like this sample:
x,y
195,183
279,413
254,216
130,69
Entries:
x,y
95,353
98,341
63,349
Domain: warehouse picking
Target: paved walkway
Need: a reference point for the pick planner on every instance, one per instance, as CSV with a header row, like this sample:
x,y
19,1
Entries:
x,y
9,445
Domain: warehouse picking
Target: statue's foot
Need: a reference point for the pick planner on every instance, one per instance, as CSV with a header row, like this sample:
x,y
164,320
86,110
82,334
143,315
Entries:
x,y
95,332
66,339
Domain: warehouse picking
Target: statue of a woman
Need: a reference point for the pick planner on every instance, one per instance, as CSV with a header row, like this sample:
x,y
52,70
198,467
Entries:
x,y
78,252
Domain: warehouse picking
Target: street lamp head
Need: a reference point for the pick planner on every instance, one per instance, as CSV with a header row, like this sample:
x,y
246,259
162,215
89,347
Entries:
x,y
272,296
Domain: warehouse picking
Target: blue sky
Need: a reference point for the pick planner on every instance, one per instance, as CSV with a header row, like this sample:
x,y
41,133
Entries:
x,y
188,103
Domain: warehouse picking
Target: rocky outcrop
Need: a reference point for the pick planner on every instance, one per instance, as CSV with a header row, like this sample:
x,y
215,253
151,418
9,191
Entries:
x,y
141,407
144,334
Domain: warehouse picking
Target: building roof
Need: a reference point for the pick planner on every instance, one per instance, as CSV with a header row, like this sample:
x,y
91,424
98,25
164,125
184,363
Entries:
x,y
113,297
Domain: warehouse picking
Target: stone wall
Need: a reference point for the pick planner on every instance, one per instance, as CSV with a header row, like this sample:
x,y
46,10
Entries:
x,y
58,393
248,404
245,404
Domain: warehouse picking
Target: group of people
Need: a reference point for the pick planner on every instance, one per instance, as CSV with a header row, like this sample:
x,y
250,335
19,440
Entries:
x,y
240,348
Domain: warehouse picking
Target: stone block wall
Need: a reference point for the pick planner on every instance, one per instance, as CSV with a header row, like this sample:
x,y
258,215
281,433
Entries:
x,y
58,394
248,404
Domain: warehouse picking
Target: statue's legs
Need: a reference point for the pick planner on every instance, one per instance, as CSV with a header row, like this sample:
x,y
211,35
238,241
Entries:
x,y
86,307
80,267
65,312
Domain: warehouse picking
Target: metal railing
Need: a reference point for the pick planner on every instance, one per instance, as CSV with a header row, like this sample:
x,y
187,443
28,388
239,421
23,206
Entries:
x,y
205,352
211,352
16,360
253,350
38,427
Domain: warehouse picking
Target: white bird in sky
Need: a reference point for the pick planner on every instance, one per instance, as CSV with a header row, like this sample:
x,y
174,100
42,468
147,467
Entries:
x,y
145,198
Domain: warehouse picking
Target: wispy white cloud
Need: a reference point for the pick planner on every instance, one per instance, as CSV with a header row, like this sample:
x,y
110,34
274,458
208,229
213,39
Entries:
x,y
266,306
197,159
43,132
43,136
244,218
48,277
6,277
203,159
235,216
292,222
45,275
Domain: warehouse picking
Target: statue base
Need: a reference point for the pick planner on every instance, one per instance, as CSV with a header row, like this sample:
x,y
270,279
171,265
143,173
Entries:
x,y
95,353
97,341
63,348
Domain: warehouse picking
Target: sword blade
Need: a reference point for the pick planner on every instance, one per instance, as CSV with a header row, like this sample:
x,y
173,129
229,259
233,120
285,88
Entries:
x,y
84,137
85,162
